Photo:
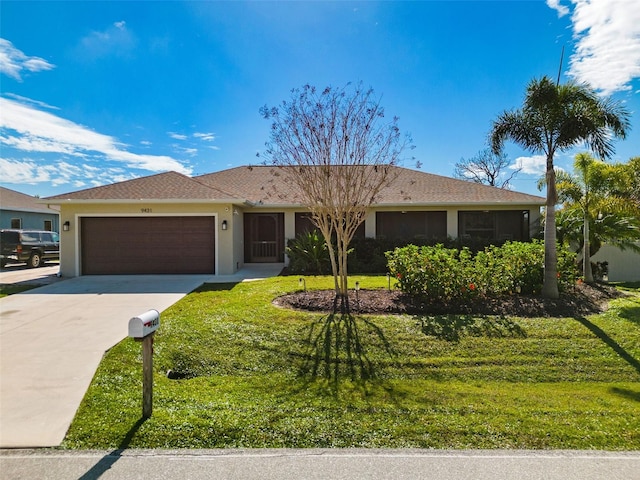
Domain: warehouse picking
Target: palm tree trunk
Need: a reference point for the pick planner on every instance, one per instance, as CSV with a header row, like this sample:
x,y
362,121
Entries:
x,y
586,252
550,282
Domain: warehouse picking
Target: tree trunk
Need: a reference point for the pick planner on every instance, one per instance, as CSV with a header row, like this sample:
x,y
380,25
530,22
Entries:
x,y
342,272
586,252
550,285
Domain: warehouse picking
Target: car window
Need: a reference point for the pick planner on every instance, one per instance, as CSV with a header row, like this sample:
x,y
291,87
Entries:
x,y
9,237
56,237
30,237
46,237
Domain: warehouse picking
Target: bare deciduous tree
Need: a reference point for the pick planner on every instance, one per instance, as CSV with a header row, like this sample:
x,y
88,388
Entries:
x,y
487,168
335,147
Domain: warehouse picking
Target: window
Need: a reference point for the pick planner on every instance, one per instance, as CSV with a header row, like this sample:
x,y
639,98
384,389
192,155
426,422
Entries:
x,y
16,223
411,225
48,225
500,225
304,224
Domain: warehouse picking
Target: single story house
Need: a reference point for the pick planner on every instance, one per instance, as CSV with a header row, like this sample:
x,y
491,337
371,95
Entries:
x,y
216,223
21,211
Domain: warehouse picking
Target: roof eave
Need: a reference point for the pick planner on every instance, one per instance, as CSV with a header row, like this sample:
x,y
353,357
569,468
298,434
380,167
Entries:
x,y
461,204
414,204
113,201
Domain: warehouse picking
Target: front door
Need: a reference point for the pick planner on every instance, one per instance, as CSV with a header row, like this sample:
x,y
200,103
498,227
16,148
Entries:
x,y
264,237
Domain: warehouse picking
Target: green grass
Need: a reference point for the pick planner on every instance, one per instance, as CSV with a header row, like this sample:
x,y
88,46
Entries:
x,y
259,376
6,290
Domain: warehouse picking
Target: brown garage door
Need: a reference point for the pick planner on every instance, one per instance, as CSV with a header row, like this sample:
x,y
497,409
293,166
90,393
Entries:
x,y
147,245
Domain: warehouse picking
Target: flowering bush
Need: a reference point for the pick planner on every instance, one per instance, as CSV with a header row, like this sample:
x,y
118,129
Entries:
x,y
436,272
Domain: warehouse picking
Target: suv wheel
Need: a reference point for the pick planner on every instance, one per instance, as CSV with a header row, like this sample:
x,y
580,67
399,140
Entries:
x,y
35,260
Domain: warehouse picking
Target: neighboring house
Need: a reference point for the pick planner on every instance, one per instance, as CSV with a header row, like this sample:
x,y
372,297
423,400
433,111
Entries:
x,y
622,265
18,210
215,223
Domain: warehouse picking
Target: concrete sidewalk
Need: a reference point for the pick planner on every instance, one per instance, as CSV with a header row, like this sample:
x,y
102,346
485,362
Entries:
x,y
53,338
312,464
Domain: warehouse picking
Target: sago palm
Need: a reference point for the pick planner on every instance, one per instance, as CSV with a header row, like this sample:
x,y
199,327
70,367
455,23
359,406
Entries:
x,y
555,118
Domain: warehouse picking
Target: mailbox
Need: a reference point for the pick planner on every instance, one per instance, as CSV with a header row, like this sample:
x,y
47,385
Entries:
x,y
144,324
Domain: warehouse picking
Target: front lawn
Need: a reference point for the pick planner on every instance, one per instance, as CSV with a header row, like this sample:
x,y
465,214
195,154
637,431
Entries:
x,y
6,290
253,375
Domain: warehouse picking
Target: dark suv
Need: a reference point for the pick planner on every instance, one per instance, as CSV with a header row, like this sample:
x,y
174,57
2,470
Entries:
x,y
31,246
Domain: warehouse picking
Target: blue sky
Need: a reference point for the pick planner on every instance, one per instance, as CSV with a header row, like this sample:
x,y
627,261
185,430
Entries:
x,y
97,92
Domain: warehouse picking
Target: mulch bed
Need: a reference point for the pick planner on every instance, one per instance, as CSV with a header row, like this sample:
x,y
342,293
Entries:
x,y
583,300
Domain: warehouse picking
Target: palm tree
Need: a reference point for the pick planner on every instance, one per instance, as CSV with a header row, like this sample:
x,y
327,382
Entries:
x,y
555,118
593,210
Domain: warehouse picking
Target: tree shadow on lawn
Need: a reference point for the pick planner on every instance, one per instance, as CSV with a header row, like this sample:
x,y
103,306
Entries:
x,y
340,347
453,327
602,335
631,313
626,393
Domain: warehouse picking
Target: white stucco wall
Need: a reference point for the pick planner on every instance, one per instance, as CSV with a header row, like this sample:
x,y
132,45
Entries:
x,y
624,266
229,247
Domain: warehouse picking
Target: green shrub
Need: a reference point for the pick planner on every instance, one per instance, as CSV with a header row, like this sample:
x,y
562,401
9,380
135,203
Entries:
x,y
368,255
437,272
308,253
432,271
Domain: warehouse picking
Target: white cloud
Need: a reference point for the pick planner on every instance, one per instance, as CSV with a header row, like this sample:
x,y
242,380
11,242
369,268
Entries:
x,y
30,101
146,143
28,129
561,9
208,137
14,61
31,172
607,54
22,171
177,136
185,150
535,165
117,40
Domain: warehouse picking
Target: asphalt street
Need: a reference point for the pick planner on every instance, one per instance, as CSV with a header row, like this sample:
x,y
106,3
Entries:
x,y
312,464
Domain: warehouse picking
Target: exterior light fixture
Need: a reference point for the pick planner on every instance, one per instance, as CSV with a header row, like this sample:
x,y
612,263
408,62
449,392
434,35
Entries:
x,y
66,226
224,225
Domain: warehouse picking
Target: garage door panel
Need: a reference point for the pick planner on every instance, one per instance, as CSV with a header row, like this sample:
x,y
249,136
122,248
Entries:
x,y
147,245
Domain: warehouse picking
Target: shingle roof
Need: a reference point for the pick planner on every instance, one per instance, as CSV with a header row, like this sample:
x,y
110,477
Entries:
x,y
266,185
12,200
162,186
269,186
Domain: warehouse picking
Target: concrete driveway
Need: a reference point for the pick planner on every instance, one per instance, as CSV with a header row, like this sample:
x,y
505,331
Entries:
x,y
52,339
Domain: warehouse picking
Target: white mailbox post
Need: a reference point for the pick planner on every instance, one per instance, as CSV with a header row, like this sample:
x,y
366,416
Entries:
x,y
142,328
